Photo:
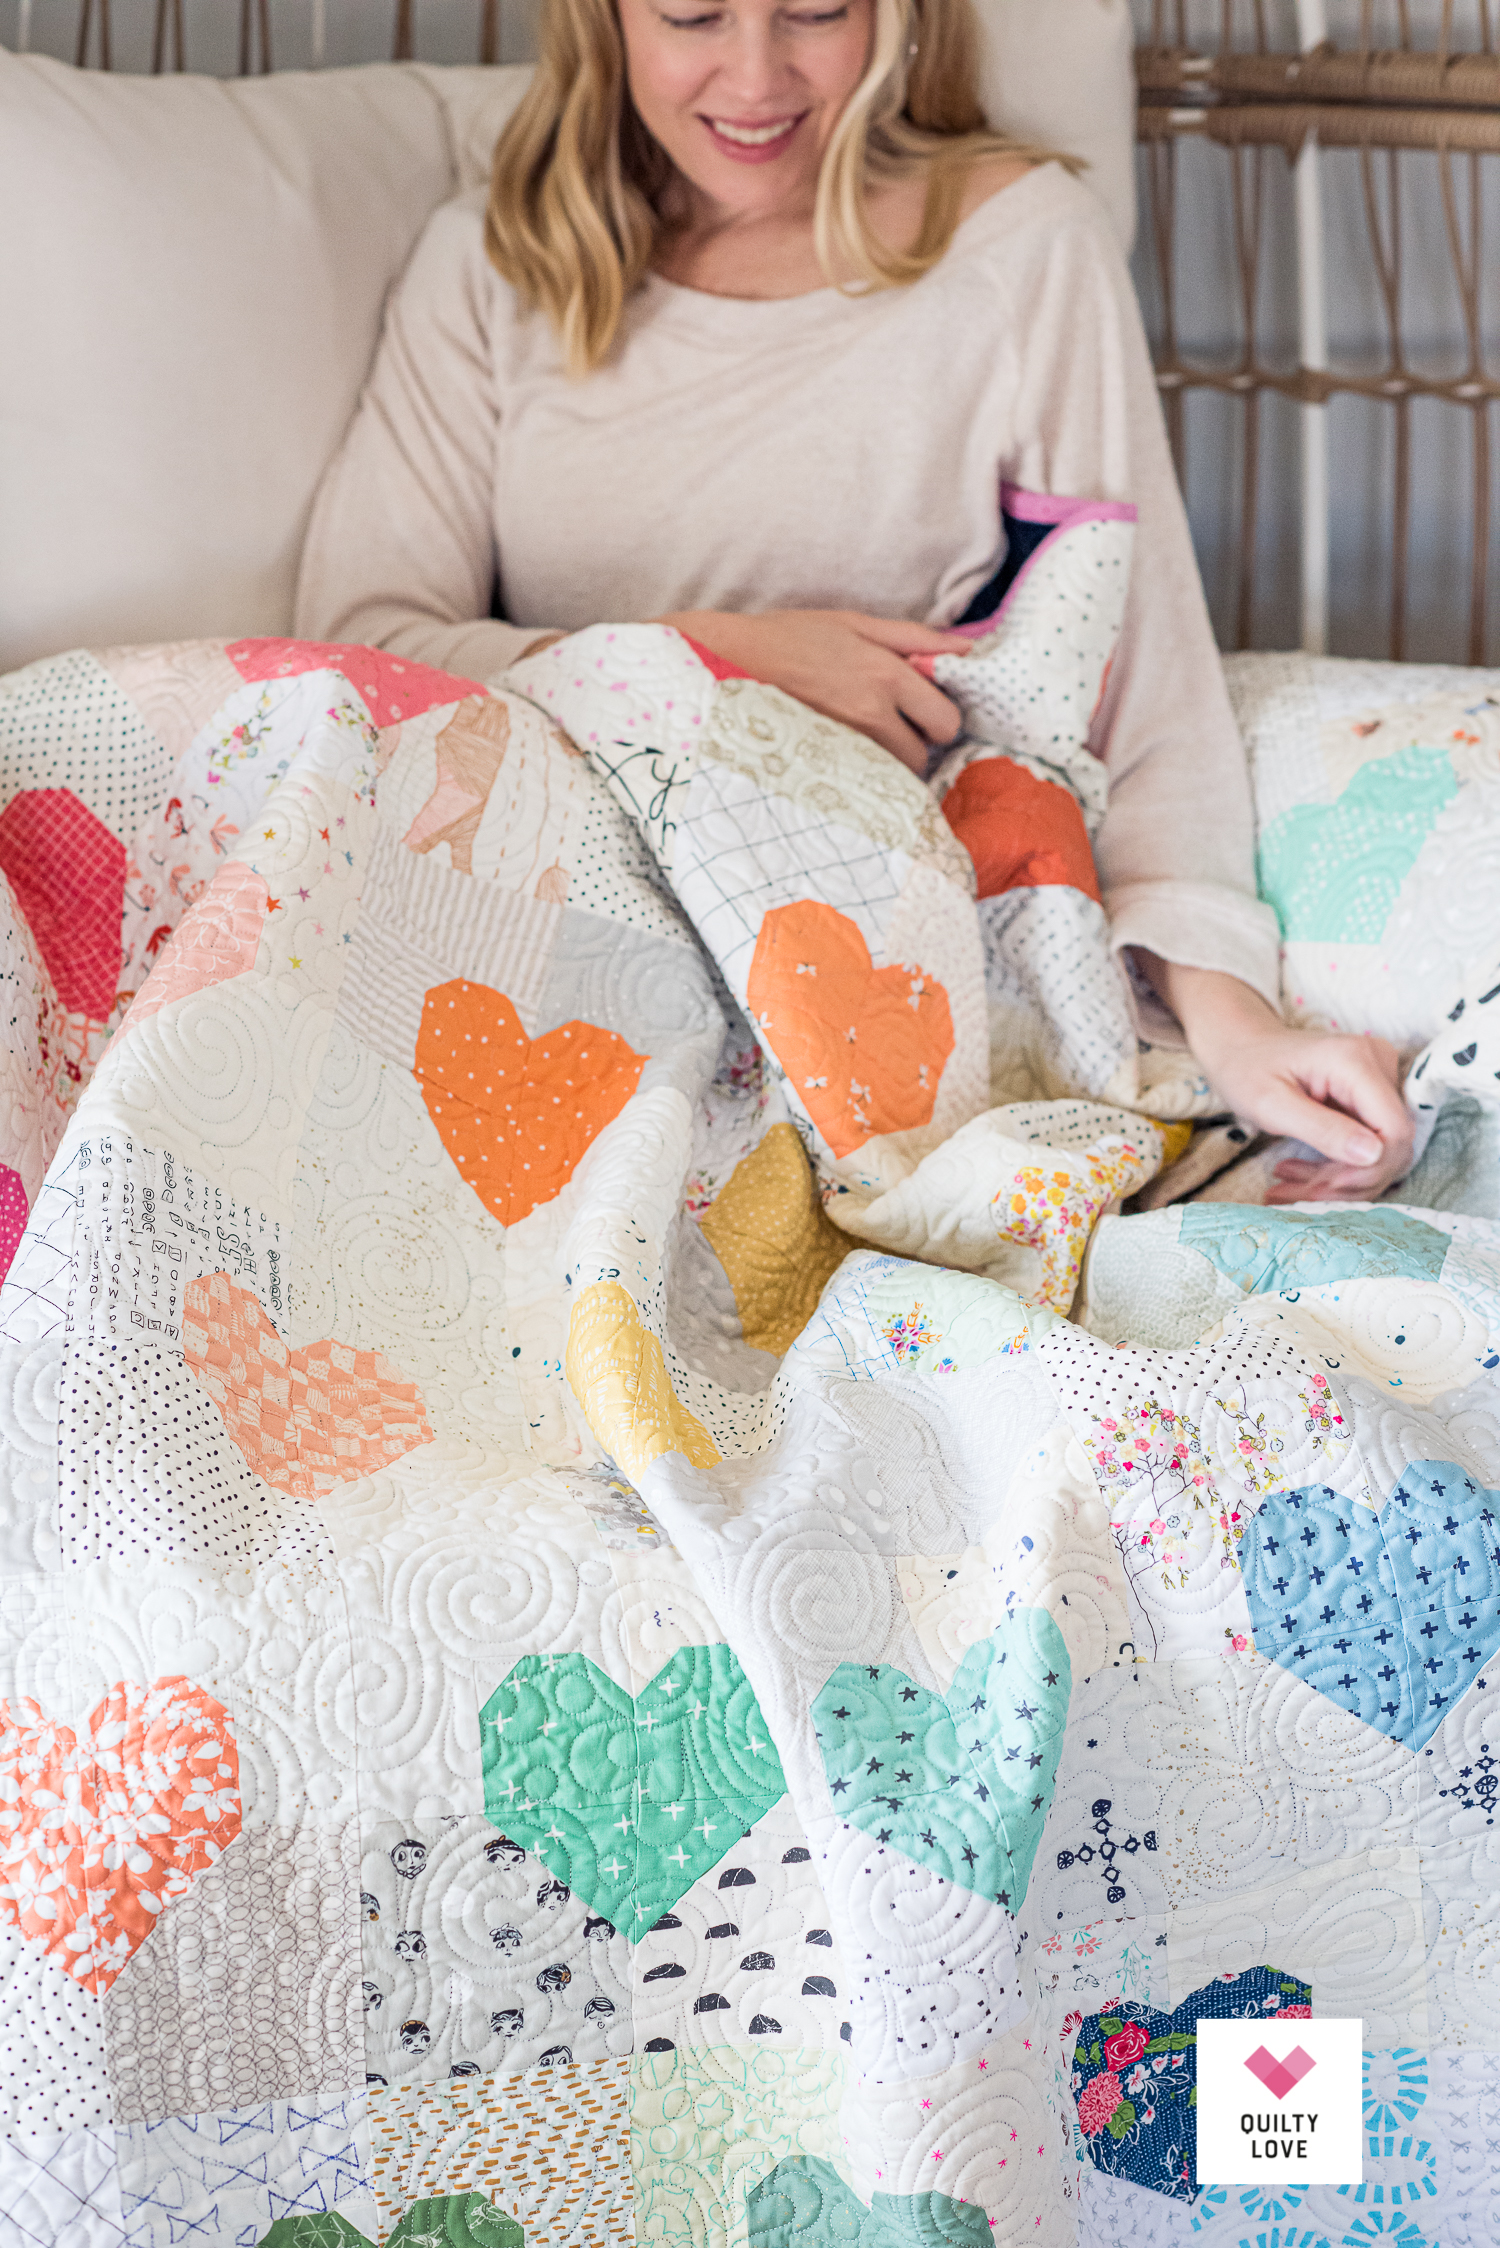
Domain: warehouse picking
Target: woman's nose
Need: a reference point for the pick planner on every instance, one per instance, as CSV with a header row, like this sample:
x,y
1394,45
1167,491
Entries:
x,y
754,69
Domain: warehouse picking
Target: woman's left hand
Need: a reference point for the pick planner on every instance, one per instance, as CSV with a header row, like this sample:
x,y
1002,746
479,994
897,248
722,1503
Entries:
x,y
1338,1094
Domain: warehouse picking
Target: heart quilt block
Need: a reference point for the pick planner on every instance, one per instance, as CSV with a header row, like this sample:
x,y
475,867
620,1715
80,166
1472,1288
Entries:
x,y
305,1419
959,1781
806,2200
99,1832
1391,1615
863,1047
516,1114
446,2220
1135,2075
628,1799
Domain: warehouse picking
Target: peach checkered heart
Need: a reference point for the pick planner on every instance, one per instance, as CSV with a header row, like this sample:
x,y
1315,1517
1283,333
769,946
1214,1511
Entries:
x,y
98,1834
304,1419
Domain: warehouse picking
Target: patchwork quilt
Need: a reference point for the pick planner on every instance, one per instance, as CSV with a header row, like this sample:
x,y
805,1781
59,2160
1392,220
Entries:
x,y
588,1653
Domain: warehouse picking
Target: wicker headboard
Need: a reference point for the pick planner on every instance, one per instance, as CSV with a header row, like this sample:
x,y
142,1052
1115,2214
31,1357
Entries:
x,y
1421,123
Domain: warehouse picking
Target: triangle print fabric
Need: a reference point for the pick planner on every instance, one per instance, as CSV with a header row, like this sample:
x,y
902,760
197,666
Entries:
x,y
629,1611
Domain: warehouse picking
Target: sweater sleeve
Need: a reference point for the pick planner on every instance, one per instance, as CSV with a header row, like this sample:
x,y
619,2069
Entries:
x,y
1176,850
400,552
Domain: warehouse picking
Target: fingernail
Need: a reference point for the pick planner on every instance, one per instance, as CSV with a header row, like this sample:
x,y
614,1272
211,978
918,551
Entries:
x,y
1362,1147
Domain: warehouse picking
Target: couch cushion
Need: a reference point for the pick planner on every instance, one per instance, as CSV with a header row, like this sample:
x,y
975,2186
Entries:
x,y
193,274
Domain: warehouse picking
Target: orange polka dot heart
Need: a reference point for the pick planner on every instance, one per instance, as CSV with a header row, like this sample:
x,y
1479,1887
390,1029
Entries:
x,y
516,1114
863,1047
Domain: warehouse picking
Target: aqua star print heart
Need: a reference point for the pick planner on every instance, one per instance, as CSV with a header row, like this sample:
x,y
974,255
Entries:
x,y
960,1782
628,1800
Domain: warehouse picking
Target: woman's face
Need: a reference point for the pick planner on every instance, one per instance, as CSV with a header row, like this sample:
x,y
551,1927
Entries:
x,y
744,96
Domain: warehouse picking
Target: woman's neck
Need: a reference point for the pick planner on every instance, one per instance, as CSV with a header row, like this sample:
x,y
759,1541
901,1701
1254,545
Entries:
x,y
771,254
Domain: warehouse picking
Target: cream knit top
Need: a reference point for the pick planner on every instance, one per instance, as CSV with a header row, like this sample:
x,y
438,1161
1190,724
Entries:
x,y
820,451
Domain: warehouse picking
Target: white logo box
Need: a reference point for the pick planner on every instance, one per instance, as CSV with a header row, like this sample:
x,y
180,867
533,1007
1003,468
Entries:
x,y
1279,2103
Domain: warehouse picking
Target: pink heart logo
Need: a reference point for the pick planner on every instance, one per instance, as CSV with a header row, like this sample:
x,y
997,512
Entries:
x,y
97,1835
1280,2077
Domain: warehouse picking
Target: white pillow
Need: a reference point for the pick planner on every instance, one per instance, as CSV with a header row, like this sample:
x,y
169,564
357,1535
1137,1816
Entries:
x,y
1377,803
193,274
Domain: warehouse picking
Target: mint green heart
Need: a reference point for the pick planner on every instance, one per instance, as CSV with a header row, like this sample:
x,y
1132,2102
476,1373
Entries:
x,y
960,1782
628,1801
804,2203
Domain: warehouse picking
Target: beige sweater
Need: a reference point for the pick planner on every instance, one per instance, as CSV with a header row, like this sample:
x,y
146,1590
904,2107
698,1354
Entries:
x,y
815,451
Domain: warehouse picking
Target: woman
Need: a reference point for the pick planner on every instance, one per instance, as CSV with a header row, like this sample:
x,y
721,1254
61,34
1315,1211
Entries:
x,y
758,316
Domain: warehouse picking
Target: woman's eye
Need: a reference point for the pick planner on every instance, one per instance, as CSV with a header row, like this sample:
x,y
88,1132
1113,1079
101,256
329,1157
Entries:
x,y
692,23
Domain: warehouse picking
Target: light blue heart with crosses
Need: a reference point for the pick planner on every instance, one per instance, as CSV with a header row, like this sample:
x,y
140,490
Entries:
x,y
960,1782
1391,1615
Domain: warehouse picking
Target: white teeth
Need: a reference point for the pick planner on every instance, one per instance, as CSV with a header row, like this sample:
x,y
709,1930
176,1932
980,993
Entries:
x,y
754,136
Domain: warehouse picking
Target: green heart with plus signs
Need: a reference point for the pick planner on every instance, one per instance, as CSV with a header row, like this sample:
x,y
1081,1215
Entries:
x,y
628,1799
961,1781
446,2220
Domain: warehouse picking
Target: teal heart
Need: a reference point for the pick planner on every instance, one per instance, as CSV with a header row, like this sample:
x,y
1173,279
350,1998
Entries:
x,y
805,2201
962,1781
1266,1251
1334,871
628,1800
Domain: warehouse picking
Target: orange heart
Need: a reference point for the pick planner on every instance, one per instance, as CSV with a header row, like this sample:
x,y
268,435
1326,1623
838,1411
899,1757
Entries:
x,y
863,1047
100,1834
304,1419
516,1113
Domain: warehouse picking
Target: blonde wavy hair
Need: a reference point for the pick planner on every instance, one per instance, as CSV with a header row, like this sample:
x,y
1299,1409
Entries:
x,y
577,184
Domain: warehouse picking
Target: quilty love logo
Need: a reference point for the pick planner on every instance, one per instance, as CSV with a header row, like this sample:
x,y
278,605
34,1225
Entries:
x,y
1280,2077
1240,2143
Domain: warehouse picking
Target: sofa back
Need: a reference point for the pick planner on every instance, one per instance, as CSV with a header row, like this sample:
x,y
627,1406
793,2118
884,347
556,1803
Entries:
x,y
193,273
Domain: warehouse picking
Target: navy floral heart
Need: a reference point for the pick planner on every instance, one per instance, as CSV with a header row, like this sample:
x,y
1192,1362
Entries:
x,y
1135,2075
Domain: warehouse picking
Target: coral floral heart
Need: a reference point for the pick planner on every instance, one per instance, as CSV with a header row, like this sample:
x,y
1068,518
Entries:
x,y
304,1419
98,1834
864,1048
517,1114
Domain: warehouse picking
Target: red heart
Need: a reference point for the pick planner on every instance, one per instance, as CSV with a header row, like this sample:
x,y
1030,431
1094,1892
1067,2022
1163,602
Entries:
x,y
517,1114
68,873
304,1419
99,1835
863,1047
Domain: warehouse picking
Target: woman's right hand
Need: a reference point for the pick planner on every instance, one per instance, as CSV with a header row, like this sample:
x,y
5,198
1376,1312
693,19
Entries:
x,y
851,667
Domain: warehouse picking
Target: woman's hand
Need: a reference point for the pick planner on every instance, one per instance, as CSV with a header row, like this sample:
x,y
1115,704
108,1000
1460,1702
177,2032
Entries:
x,y
849,666
1339,1094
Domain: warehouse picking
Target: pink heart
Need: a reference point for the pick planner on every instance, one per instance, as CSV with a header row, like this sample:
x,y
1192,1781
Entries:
x,y
1280,2077
218,939
393,687
97,1835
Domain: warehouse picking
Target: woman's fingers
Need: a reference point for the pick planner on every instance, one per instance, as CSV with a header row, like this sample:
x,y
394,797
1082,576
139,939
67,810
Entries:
x,y
927,707
907,639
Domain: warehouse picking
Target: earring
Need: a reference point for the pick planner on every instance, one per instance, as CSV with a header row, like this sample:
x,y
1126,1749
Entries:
x,y
911,50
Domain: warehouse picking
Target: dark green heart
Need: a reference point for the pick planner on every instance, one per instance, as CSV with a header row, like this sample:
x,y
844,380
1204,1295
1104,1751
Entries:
x,y
448,2220
628,1800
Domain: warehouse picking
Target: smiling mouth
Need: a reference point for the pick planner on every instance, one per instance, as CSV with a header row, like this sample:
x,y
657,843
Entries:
x,y
753,136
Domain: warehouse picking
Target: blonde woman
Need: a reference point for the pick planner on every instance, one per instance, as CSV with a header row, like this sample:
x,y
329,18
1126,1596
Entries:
x,y
757,317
